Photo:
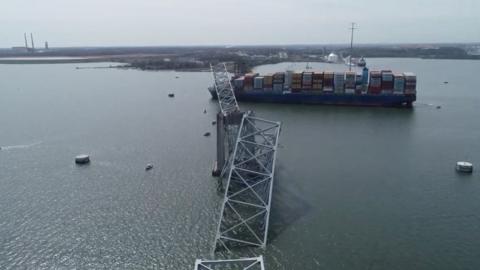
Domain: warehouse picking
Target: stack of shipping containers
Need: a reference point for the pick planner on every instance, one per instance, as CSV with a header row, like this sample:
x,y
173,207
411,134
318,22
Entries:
x,y
380,82
248,81
307,80
328,81
398,84
339,82
268,82
278,81
296,81
317,81
238,83
288,79
359,84
387,82
258,82
375,84
410,83
350,82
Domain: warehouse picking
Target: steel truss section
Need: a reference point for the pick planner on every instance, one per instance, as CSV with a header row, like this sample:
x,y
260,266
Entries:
x,y
224,89
248,192
236,264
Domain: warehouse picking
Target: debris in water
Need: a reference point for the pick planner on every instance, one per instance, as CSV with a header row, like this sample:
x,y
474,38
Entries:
x,y
148,167
171,95
214,123
82,159
206,134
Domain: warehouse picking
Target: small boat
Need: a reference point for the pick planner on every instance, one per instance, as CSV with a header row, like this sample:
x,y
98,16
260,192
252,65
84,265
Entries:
x,y
171,95
206,134
464,167
82,159
148,167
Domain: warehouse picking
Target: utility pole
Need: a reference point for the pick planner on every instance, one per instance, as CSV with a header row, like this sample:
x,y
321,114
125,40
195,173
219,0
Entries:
x,y
351,47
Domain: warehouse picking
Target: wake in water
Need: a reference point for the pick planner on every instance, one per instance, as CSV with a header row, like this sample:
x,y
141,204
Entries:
x,y
20,146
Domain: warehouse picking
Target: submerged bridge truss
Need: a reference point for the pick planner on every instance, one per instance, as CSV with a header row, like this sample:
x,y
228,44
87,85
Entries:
x,y
223,87
248,193
246,152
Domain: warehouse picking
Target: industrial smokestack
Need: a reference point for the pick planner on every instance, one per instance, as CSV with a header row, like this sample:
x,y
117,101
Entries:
x,y
33,45
26,43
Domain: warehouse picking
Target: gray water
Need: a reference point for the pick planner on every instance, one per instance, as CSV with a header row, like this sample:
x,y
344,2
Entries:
x,y
355,188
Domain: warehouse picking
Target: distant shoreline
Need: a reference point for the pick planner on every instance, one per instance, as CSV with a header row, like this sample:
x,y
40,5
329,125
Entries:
x,y
53,60
241,59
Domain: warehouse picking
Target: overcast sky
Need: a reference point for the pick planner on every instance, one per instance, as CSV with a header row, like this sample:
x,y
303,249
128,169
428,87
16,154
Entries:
x,y
206,22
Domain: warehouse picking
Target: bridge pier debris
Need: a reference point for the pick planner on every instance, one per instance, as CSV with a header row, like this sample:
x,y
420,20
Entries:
x,y
255,263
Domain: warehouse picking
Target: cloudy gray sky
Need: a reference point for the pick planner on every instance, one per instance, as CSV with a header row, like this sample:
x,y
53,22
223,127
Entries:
x,y
204,22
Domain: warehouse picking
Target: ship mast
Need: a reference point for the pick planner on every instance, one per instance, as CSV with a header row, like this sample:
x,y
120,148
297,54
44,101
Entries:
x,y
351,47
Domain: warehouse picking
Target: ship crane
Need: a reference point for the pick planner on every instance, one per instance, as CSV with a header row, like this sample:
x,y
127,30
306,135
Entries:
x,y
246,153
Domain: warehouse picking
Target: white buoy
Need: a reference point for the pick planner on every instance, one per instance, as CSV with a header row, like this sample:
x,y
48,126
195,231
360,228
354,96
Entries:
x,y
463,166
82,159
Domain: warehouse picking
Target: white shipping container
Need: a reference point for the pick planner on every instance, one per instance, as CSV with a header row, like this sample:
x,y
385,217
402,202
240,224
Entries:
x,y
288,78
258,82
399,84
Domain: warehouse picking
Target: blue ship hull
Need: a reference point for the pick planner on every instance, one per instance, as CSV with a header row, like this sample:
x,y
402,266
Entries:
x,y
325,98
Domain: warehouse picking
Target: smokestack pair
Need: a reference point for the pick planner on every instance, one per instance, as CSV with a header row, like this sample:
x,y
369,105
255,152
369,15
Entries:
x,y
31,38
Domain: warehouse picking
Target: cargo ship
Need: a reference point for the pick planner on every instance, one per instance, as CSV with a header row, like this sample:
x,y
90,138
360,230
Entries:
x,y
369,88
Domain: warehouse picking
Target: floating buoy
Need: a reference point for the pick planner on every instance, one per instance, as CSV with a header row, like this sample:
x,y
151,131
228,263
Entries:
x,y
206,134
214,123
82,159
171,95
148,167
463,166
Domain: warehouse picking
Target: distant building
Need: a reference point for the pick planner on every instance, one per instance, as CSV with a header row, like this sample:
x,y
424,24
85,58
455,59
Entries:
x,y
332,58
240,53
283,55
